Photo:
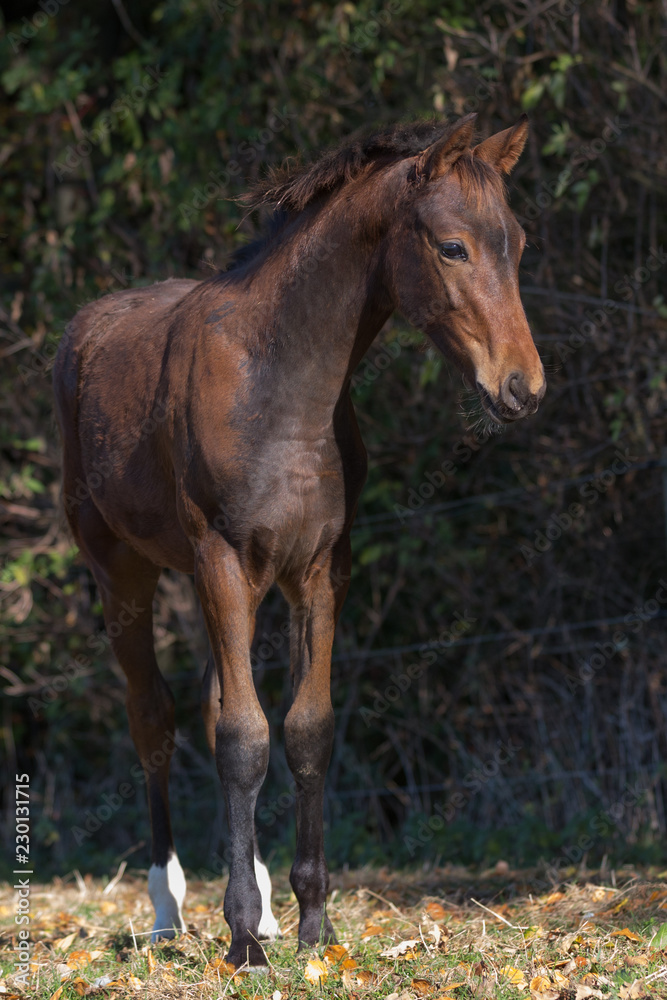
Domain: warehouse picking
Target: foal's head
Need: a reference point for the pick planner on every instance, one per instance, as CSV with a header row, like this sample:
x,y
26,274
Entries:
x,y
453,265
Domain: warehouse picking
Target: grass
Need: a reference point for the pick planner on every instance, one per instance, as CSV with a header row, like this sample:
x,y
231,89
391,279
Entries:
x,y
454,933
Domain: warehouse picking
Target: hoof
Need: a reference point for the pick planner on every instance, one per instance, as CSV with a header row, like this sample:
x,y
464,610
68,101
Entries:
x,y
249,956
160,933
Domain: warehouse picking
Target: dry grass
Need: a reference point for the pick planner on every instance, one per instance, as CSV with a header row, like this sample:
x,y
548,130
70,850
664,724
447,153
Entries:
x,y
584,939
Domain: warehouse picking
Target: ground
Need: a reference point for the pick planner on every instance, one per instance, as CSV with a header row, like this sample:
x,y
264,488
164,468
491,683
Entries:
x,y
441,933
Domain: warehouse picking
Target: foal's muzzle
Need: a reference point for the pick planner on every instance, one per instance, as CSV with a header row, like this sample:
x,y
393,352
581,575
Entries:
x,y
516,398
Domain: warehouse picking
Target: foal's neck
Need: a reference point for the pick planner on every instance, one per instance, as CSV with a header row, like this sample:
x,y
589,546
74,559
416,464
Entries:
x,y
323,294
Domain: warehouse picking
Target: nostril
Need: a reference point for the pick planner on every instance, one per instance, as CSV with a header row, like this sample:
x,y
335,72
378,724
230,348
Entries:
x,y
514,391
514,386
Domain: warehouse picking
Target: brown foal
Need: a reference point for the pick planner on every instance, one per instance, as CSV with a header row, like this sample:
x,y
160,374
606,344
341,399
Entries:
x,y
207,427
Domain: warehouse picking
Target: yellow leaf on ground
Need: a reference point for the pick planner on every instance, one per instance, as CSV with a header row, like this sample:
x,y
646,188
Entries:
x,y
64,943
133,982
78,959
436,911
57,994
515,976
539,984
151,963
106,906
559,979
658,894
80,985
452,986
626,933
600,893
636,960
335,953
372,930
217,967
348,963
552,898
422,987
316,971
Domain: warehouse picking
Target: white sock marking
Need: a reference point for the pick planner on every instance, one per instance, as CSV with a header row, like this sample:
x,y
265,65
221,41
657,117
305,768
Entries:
x,y
268,925
166,887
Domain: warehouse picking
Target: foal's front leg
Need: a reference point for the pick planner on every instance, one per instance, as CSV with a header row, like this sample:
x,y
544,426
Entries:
x,y
241,734
309,733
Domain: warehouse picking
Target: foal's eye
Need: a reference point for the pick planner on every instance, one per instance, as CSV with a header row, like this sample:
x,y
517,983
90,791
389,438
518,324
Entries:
x,y
453,250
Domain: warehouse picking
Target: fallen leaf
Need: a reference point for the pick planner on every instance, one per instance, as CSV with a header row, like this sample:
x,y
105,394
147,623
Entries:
x,y
600,893
453,986
133,982
552,898
150,962
64,943
335,953
559,979
539,984
106,906
586,991
78,959
357,977
400,949
436,911
422,987
56,995
436,934
515,976
316,972
217,967
80,985
627,933
632,992
104,981
372,930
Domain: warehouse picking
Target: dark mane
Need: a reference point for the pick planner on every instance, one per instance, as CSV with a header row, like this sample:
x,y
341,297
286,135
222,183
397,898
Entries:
x,y
293,188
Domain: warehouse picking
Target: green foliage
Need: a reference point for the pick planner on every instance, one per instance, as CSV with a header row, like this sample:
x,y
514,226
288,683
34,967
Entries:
x,y
116,159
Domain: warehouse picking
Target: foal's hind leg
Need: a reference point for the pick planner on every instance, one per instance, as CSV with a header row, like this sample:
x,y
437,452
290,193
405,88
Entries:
x,y
127,584
309,732
268,929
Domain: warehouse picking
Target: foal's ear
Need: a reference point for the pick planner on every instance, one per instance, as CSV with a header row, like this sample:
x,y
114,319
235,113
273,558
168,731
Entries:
x,y
503,149
437,158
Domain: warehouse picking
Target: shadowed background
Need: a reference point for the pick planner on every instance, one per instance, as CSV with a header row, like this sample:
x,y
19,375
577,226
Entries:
x,y
499,680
